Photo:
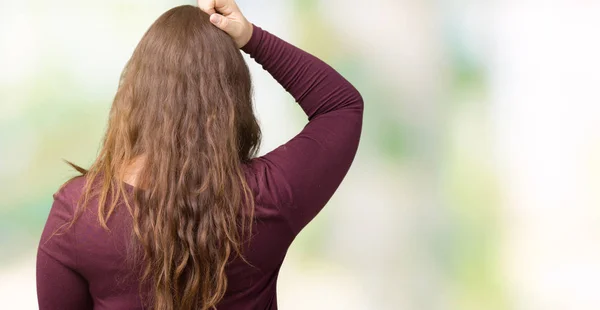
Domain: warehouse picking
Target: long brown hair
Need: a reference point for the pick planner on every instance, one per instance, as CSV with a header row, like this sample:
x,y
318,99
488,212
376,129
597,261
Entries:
x,y
184,106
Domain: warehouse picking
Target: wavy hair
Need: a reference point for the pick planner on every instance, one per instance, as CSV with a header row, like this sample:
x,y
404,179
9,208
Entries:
x,y
183,112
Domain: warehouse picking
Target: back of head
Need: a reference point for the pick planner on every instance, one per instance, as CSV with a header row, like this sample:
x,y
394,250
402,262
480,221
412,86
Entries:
x,y
186,75
183,110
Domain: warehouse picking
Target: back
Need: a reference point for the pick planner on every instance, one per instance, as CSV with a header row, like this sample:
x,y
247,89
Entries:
x,y
86,267
101,256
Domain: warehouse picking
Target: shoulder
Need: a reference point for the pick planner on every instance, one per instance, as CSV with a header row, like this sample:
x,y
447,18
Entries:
x,y
267,182
271,191
57,238
66,199
69,193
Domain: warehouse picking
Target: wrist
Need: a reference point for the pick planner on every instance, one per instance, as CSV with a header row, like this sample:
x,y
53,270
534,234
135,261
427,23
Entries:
x,y
247,35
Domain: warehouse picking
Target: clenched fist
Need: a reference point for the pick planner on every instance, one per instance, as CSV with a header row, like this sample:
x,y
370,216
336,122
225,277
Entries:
x,y
226,15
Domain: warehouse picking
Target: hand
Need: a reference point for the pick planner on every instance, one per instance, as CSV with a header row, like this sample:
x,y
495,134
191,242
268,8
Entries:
x,y
226,15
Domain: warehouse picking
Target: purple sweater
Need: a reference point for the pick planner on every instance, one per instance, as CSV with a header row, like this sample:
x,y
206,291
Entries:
x,y
85,268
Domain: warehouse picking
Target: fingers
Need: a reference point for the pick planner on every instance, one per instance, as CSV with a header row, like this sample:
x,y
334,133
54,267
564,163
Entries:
x,y
226,15
207,6
223,7
222,22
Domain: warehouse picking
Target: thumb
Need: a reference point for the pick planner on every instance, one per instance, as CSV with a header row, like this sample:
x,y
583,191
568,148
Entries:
x,y
221,22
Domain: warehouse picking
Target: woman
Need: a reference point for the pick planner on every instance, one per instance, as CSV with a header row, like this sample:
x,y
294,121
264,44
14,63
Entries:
x,y
176,213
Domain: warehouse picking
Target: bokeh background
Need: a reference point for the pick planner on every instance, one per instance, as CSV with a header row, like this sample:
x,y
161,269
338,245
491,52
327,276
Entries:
x,y
476,182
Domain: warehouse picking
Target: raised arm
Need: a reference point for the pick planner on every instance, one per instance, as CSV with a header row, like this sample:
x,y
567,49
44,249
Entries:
x,y
300,176
308,169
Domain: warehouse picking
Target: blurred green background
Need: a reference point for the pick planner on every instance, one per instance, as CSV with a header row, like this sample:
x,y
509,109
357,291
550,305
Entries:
x,y
476,182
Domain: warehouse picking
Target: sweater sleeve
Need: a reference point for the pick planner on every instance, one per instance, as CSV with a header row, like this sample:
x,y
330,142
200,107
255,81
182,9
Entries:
x,y
301,175
59,285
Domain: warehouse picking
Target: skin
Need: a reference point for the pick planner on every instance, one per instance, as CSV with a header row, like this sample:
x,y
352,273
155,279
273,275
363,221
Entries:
x,y
226,15
133,170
